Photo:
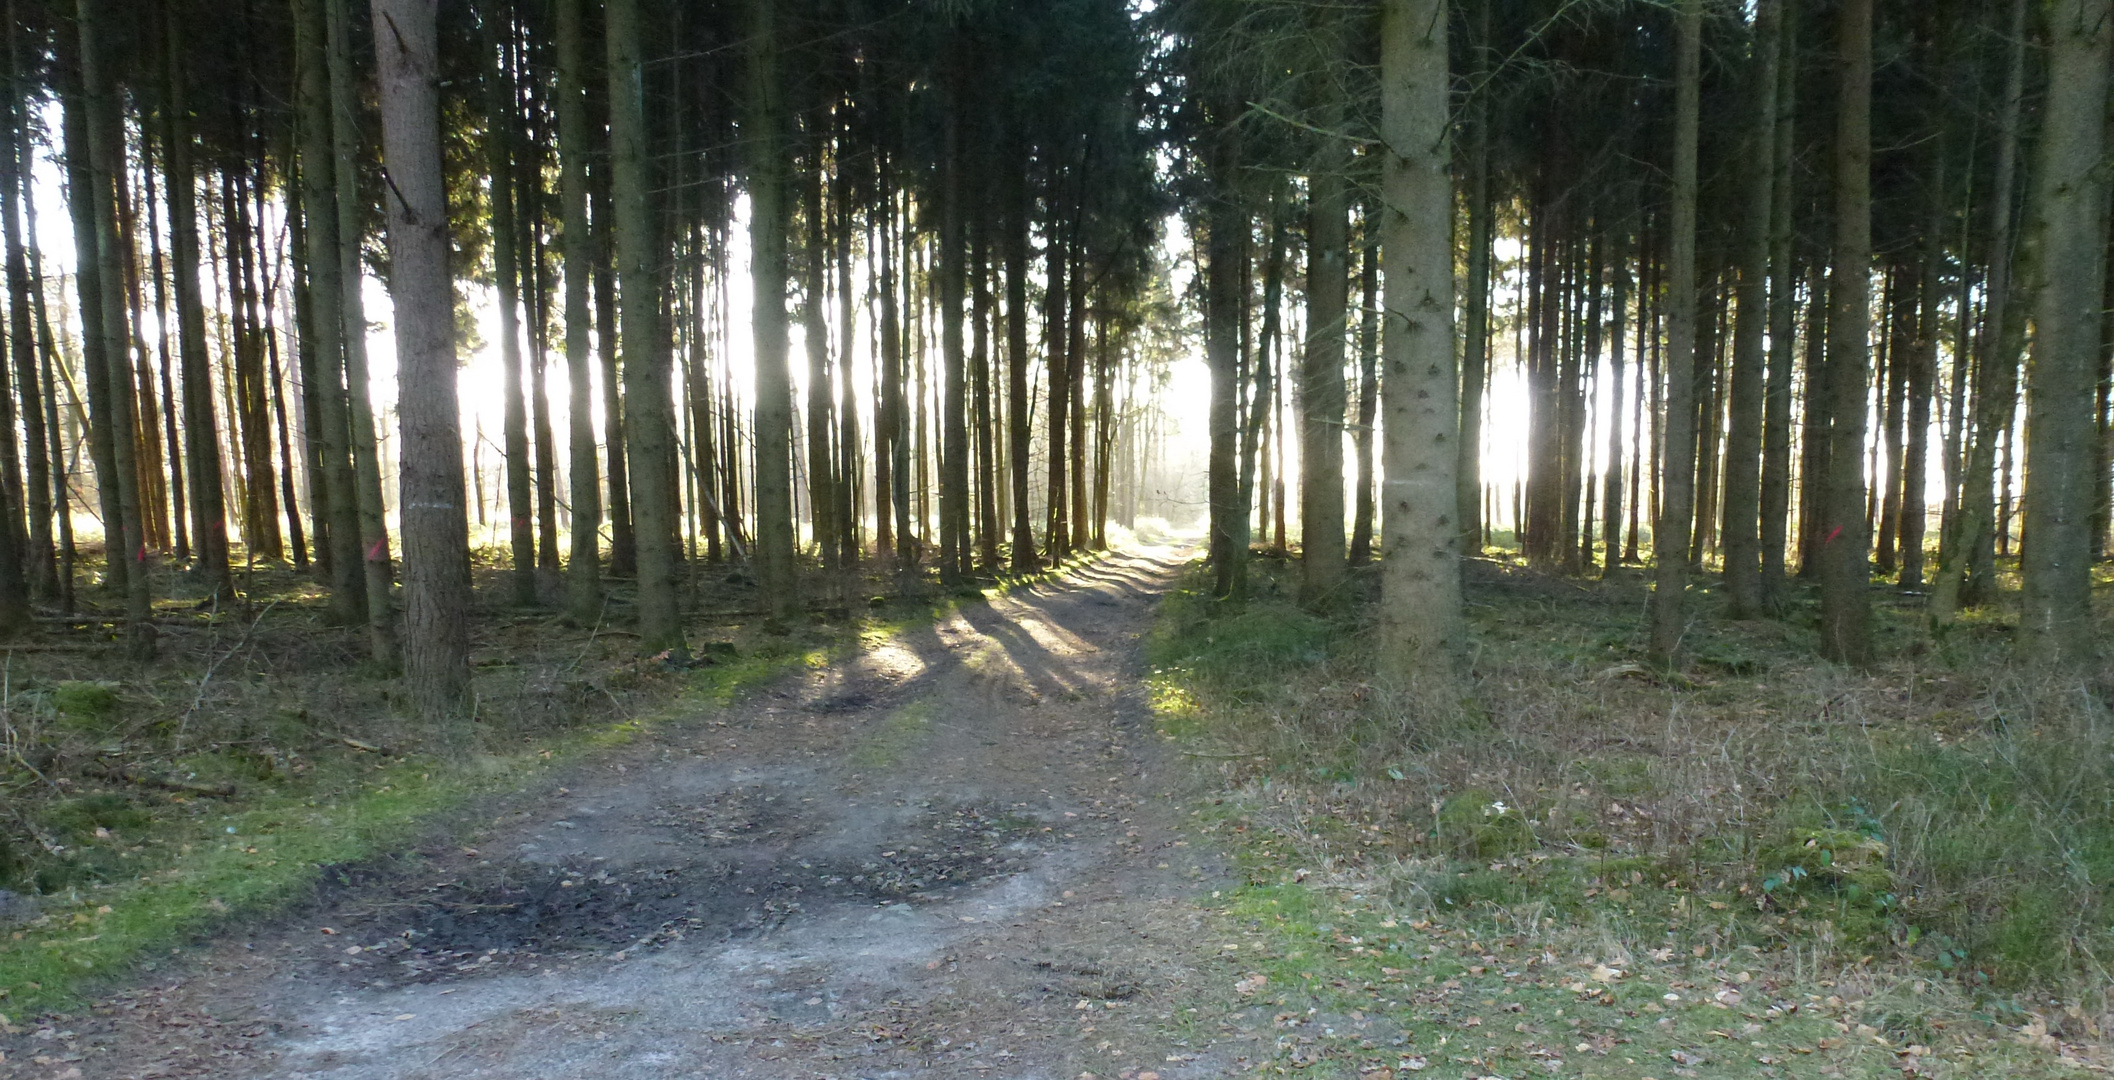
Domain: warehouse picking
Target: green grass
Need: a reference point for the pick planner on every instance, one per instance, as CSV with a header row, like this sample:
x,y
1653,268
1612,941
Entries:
x,y
1866,862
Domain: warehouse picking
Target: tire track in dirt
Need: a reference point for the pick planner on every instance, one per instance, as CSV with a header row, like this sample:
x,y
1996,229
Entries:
x,y
952,855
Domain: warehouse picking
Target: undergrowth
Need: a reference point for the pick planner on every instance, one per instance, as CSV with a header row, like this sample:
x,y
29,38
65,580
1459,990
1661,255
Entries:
x,y
1929,844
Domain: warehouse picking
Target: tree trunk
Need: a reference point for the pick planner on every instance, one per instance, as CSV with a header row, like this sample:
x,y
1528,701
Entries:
x,y
814,314
1320,401
774,394
1670,533
499,166
106,149
954,412
1368,392
1845,583
1420,609
1775,481
1611,483
1057,530
575,145
1017,420
41,558
326,325
1743,442
436,530
1967,571
2070,217
1225,254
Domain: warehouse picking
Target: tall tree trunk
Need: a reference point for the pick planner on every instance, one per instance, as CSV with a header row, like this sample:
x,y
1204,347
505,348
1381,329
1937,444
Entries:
x,y
88,281
1017,419
1845,583
1368,390
1320,400
436,530
774,394
1057,530
41,558
1743,441
499,166
1420,620
1225,253
125,533
1922,374
575,144
2070,218
326,324
987,467
1670,533
1775,481
1967,571
954,421
1611,483
814,314
378,566
1475,350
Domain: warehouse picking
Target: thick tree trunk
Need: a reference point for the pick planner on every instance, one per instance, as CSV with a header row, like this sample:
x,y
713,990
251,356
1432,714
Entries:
x,y
1475,349
1670,533
1845,545
1420,609
649,417
2070,218
1743,442
575,144
436,530
1922,374
774,392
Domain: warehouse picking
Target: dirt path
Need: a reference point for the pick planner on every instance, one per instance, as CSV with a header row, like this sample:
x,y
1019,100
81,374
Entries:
x,y
956,855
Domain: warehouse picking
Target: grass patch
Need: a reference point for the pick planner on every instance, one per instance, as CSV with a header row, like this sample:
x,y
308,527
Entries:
x,y
1863,874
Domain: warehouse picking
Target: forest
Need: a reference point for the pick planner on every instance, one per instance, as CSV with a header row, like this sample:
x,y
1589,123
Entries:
x,y
392,386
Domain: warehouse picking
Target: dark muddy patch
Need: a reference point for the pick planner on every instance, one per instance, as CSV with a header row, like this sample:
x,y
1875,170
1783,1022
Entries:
x,y
750,878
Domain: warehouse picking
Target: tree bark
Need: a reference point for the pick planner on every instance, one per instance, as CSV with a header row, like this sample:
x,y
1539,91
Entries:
x,y
2070,217
1845,544
1967,571
1225,252
575,144
125,533
1743,442
774,394
1671,530
1321,404
1368,392
1420,609
326,325
1775,482
435,528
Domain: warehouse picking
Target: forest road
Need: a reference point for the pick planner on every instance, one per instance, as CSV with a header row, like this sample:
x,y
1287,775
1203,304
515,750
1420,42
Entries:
x,y
962,853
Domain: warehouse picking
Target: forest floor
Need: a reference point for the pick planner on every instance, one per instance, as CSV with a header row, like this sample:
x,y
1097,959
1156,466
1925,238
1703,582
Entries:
x,y
1099,827
961,853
